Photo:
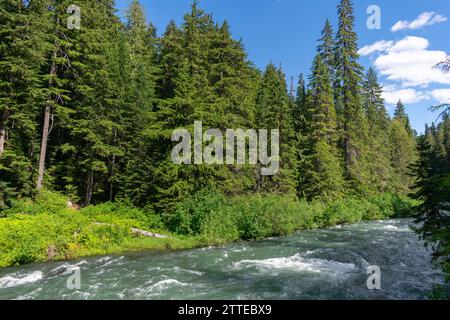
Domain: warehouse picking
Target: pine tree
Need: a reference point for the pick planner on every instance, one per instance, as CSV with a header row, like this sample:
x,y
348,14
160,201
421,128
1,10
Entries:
x,y
400,113
403,155
379,142
80,103
322,174
326,49
299,107
22,52
204,76
274,113
446,134
347,88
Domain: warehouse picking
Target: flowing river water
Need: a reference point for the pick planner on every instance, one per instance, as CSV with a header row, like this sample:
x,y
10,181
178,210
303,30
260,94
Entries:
x,y
319,264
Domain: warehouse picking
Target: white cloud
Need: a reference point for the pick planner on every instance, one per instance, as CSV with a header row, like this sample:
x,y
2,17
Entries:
x,y
425,19
441,95
409,95
379,46
410,44
408,61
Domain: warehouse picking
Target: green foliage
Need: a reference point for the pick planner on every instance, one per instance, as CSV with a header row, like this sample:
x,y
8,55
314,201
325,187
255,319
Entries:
x,y
321,164
210,214
432,171
275,112
45,202
45,229
116,91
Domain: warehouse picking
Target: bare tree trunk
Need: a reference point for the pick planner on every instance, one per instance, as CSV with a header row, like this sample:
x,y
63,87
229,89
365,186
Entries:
x,y
45,128
111,183
43,147
111,173
2,139
89,188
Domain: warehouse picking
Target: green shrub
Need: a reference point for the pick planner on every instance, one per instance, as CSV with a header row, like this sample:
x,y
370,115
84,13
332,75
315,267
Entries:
x,y
205,213
107,212
45,202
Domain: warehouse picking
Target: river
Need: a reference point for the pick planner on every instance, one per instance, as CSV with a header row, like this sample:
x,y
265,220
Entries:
x,y
318,264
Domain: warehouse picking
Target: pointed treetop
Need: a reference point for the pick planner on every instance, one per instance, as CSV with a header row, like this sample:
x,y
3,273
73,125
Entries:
x,y
400,111
136,16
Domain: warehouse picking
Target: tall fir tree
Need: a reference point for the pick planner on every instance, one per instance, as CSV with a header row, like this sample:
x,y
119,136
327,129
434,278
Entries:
x,y
273,112
322,173
378,125
400,114
22,50
349,105
326,49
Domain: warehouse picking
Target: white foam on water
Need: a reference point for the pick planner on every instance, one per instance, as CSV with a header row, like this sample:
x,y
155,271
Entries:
x,y
297,263
241,249
29,296
165,284
110,261
391,227
81,263
197,273
12,281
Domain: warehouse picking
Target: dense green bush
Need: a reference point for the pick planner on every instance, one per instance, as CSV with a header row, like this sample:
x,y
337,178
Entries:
x,y
107,212
211,214
45,202
206,213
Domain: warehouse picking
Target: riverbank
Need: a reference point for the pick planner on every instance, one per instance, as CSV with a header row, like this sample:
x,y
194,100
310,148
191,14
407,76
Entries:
x,y
46,230
323,264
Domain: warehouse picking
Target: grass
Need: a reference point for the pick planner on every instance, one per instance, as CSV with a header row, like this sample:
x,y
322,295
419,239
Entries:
x,y
45,230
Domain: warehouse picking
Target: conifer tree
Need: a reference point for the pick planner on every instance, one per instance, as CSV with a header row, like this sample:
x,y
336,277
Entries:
x,y
299,107
400,114
326,49
22,55
403,155
347,88
379,142
322,174
273,112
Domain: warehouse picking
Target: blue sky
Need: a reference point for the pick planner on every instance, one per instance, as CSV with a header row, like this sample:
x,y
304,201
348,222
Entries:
x,y
286,32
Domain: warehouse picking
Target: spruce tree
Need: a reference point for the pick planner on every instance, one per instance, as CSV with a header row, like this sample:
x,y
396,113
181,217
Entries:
x,y
378,125
322,174
349,104
326,49
22,55
400,114
273,112
403,155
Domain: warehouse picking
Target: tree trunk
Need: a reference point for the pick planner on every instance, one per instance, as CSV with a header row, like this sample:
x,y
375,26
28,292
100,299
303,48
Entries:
x,y
43,147
45,128
89,188
2,139
111,182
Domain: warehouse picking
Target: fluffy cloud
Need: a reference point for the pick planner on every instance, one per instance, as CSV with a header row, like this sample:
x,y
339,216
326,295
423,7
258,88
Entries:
x,y
425,19
391,94
441,95
376,47
408,61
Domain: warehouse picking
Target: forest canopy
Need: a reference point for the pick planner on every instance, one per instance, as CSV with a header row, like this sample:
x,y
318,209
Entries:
x,y
89,112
